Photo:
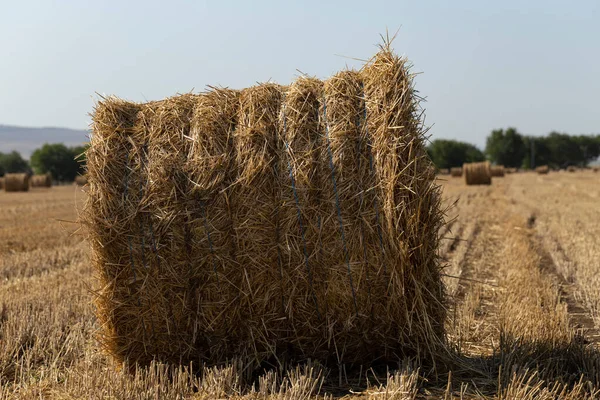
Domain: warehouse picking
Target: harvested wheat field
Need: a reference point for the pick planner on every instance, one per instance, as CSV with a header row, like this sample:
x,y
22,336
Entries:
x,y
522,321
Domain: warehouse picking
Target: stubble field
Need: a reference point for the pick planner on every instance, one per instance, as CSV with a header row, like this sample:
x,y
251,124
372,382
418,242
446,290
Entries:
x,y
522,259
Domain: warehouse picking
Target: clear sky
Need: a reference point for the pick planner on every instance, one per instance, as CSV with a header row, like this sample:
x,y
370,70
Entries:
x,y
534,65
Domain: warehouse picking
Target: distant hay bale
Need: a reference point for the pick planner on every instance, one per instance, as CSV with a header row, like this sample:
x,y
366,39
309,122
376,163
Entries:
x,y
456,172
497,171
595,169
1,182
542,170
81,180
16,182
511,170
478,173
42,180
571,168
273,224
444,171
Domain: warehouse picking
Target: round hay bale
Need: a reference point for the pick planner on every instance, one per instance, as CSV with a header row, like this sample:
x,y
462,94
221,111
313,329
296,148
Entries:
x,y
1,182
81,180
542,169
571,168
595,169
18,182
478,173
42,180
456,172
272,224
497,171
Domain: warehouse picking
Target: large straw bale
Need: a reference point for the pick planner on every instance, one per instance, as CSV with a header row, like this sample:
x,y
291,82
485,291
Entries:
x,y
16,182
272,224
456,172
42,180
1,182
478,173
497,171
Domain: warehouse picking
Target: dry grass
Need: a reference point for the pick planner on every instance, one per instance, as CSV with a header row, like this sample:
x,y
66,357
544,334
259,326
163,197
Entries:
x,y
523,323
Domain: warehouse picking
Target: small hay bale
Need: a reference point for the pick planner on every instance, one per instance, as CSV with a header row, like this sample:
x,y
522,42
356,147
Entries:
x,y
542,169
1,182
18,182
81,180
42,180
272,224
595,169
497,171
571,168
456,172
478,173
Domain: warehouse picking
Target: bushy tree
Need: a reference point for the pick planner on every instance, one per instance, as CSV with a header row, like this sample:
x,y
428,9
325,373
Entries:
x,y
12,162
452,153
506,147
57,159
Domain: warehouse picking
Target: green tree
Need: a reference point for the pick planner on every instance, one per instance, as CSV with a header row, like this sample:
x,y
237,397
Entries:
x,y
12,162
452,153
506,147
57,159
565,150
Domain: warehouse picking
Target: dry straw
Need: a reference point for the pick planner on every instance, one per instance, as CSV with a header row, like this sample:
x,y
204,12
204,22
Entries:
x,y
542,170
456,172
497,171
478,173
16,182
273,224
42,180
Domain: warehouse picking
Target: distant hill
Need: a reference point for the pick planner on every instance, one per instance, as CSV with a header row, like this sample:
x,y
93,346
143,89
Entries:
x,y
25,140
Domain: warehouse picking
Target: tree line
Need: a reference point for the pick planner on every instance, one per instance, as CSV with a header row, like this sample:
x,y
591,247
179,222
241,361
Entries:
x,y
63,162
510,148
503,147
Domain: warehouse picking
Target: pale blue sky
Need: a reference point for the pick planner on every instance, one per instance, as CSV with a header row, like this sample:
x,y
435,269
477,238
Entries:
x,y
530,64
